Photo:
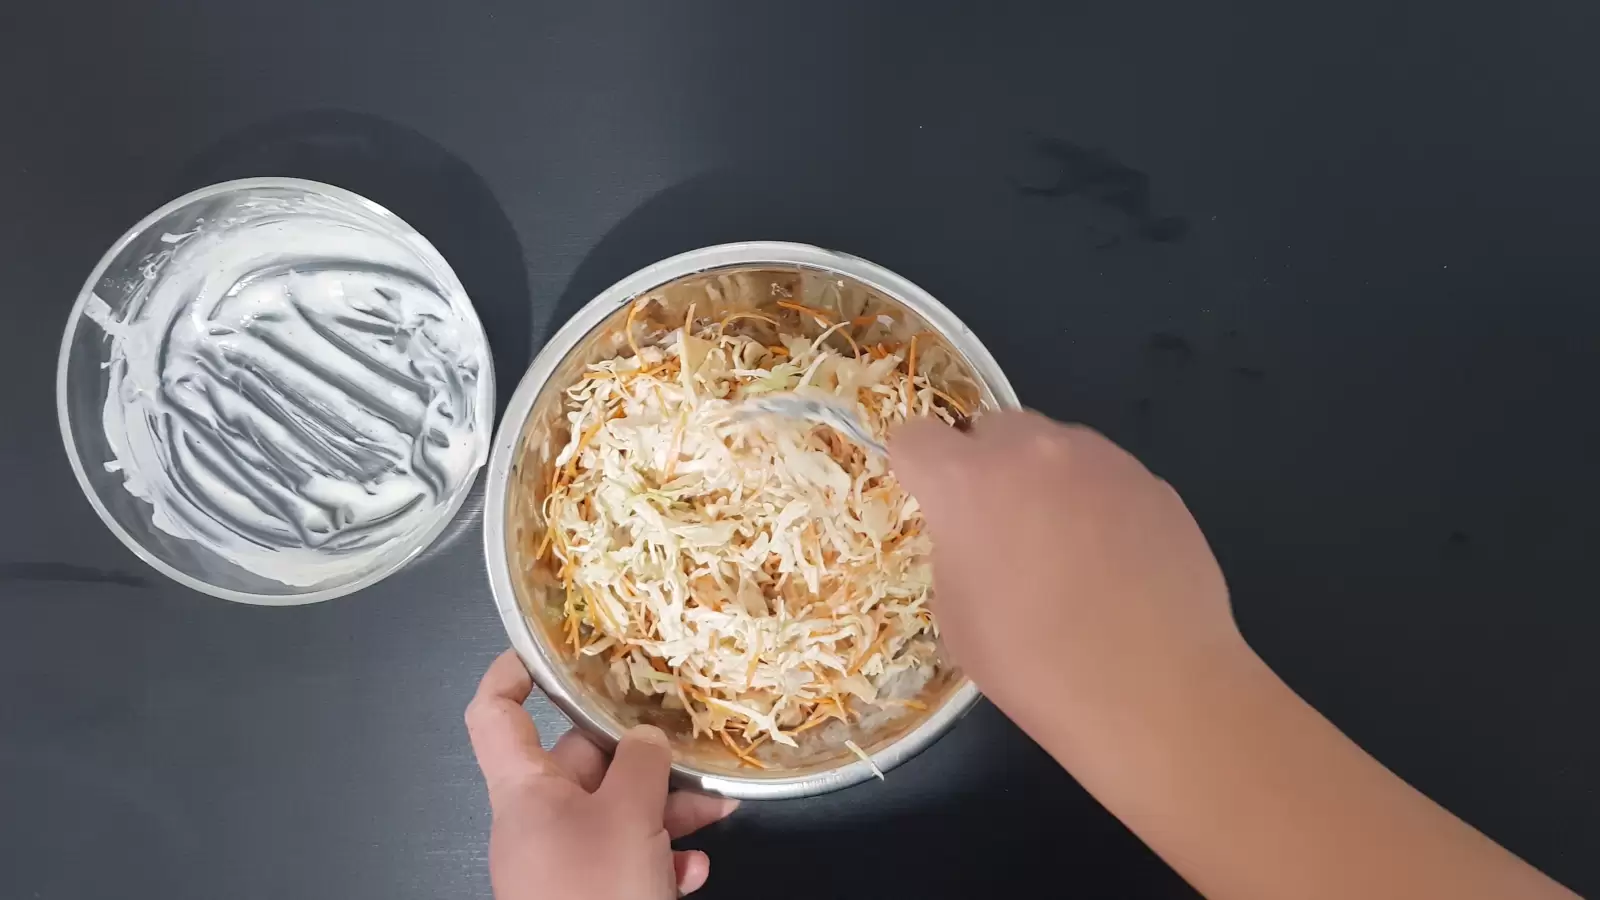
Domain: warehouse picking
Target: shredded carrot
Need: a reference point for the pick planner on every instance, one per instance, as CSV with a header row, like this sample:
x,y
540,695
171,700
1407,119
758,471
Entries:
x,y
821,316
950,400
572,632
743,754
732,744
601,615
871,651
543,546
583,443
809,724
722,326
838,701
911,361
644,373
818,716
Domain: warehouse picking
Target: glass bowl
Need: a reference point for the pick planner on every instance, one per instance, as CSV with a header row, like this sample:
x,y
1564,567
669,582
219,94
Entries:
x,y
119,286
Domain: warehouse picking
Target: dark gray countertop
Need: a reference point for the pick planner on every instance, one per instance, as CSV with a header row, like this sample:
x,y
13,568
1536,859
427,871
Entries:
x,y
1331,271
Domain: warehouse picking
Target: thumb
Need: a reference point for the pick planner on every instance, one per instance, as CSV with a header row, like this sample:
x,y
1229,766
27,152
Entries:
x,y
636,781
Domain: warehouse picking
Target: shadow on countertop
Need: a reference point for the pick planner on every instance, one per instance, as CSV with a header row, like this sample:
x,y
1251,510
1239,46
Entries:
x,y
983,813
434,191
418,180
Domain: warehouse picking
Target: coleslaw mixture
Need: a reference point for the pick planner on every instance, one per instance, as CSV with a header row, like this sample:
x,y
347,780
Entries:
x,y
765,576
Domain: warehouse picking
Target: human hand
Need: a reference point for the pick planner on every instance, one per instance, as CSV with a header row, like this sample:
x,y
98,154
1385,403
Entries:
x,y
1064,572
1078,592
566,825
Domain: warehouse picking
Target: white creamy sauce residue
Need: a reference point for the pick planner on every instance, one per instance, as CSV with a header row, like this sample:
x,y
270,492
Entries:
x,y
296,394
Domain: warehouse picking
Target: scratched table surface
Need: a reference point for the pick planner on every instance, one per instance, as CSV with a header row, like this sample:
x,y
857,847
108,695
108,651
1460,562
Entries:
x,y
1330,270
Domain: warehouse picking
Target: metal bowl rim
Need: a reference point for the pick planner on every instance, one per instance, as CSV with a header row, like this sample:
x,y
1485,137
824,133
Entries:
x,y
504,451
447,513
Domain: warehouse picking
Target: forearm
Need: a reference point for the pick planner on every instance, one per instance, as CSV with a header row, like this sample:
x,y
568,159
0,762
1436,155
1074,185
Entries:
x,y
1249,793
1078,591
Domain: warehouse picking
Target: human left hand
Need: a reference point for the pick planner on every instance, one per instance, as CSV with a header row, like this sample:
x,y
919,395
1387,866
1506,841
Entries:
x,y
566,824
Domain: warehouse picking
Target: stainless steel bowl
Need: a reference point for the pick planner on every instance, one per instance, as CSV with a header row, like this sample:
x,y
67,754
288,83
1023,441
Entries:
x,y
533,430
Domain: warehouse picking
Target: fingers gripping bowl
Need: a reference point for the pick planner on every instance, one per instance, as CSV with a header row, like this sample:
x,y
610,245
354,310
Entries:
x,y
778,313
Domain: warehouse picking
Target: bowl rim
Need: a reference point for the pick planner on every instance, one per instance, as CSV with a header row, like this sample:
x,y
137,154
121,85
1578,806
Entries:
x,y
447,513
506,446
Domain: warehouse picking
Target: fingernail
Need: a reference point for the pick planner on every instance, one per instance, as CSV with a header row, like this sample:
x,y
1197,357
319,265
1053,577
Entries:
x,y
650,735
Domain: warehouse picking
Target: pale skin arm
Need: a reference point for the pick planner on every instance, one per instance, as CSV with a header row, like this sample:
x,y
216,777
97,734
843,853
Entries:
x,y
1077,590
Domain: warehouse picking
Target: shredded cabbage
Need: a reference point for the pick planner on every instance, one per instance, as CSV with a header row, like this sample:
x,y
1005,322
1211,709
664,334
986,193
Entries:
x,y
763,575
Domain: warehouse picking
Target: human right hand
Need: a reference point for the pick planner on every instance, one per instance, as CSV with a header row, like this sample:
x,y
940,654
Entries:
x,y
1077,591
1067,577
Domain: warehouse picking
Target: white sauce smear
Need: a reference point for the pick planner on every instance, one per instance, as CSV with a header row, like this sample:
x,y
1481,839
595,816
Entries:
x,y
298,393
